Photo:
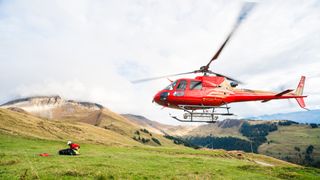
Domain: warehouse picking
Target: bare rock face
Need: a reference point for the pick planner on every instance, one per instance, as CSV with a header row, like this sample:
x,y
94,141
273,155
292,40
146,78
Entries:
x,y
36,100
51,107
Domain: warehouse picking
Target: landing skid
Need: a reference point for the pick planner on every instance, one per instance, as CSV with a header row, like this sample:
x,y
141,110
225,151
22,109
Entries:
x,y
198,113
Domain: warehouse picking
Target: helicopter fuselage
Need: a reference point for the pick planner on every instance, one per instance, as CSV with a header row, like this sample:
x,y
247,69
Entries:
x,y
214,91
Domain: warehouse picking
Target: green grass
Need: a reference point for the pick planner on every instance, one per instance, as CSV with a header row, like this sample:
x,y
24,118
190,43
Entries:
x,y
19,159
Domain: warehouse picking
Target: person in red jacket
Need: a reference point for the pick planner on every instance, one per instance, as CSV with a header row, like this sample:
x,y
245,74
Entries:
x,y
72,150
74,147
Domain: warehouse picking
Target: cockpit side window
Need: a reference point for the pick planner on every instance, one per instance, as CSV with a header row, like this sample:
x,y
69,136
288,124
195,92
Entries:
x,y
195,85
171,86
182,85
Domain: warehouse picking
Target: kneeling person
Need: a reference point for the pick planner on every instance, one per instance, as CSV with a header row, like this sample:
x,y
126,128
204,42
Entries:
x,y
73,150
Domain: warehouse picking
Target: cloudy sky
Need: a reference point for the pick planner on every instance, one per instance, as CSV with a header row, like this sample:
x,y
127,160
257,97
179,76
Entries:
x,y
91,50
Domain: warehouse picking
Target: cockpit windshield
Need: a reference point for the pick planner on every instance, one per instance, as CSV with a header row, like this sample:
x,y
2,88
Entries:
x,y
171,86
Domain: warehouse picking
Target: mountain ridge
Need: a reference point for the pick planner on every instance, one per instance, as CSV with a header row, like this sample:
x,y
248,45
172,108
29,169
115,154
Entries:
x,y
311,116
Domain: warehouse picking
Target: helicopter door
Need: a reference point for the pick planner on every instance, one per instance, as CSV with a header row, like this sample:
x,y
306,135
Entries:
x,y
180,90
194,92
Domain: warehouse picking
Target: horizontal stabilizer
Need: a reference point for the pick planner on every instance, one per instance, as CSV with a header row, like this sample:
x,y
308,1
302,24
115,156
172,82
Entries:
x,y
301,103
279,94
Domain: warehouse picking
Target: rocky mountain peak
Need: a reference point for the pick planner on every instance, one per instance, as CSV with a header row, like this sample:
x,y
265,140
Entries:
x,y
35,100
51,106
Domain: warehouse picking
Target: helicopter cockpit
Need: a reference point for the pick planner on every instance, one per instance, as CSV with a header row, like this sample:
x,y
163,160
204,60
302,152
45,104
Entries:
x,y
171,86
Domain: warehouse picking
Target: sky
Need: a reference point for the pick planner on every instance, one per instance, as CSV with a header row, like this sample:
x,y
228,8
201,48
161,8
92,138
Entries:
x,y
91,50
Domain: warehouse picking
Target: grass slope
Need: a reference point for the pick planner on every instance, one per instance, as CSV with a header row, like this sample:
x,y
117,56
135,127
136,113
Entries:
x,y
30,126
286,138
19,160
22,124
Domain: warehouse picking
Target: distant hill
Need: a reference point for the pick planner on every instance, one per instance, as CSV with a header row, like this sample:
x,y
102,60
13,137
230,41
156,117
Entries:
x,y
159,127
225,128
283,139
312,116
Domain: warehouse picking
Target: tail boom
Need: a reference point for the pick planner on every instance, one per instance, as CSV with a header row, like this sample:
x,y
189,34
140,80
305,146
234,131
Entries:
x,y
298,94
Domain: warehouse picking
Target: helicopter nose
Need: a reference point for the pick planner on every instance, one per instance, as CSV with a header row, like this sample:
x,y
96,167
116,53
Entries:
x,y
156,98
161,98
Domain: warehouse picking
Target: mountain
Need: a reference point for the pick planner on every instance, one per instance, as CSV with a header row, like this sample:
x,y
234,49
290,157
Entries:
x,y
56,108
311,116
51,117
27,125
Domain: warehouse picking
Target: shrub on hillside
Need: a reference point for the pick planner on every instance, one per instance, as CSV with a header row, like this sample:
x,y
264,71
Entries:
x,y
313,125
145,131
309,156
257,133
156,141
286,123
178,141
227,143
145,140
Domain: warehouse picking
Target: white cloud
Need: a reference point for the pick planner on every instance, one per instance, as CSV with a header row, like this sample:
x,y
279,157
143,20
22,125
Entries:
x,y
90,50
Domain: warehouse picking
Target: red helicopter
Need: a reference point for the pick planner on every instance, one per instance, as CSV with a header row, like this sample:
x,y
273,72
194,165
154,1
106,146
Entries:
x,y
201,97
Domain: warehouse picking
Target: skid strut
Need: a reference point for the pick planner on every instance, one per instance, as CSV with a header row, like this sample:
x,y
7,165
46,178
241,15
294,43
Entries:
x,y
199,113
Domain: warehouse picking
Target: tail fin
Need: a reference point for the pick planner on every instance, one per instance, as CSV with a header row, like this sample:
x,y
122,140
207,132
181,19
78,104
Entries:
x,y
299,92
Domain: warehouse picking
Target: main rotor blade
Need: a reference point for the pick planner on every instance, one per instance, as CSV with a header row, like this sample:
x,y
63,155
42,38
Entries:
x,y
160,77
227,77
246,8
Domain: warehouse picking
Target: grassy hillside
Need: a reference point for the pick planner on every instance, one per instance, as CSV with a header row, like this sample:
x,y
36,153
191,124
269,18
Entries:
x,y
19,160
30,126
111,131
286,140
290,143
226,128
58,109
